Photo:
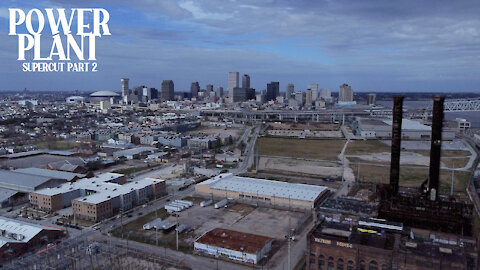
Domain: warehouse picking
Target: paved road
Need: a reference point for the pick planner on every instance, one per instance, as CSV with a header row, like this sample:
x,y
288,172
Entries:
x,y
249,153
348,177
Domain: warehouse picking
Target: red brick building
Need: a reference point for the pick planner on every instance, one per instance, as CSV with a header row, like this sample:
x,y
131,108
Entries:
x,y
336,246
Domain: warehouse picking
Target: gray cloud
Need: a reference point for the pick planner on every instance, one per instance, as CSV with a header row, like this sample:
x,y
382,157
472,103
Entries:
x,y
373,45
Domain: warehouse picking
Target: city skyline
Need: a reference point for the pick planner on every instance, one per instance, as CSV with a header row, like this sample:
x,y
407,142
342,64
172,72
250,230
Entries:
x,y
371,46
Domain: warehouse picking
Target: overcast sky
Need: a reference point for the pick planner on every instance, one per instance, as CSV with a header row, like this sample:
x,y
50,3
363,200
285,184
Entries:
x,y
371,45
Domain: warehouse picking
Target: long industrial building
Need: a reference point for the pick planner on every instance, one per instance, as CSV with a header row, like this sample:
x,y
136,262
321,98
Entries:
x,y
373,128
262,191
98,197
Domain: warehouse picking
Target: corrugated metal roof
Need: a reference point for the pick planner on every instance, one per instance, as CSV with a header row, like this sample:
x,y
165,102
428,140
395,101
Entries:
x,y
17,227
6,193
51,173
279,189
21,181
38,152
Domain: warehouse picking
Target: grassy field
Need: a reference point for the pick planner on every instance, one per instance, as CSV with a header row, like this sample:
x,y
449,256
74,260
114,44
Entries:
x,y
300,148
456,162
361,147
56,145
413,177
445,153
134,231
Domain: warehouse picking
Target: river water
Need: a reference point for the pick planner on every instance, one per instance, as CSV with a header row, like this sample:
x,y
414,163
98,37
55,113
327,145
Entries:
x,y
473,117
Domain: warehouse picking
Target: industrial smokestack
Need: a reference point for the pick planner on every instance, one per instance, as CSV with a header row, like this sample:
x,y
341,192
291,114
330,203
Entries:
x,y
435,148
396,143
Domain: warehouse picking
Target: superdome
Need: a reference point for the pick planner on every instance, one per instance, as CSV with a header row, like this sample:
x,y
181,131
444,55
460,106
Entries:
x,y
105,94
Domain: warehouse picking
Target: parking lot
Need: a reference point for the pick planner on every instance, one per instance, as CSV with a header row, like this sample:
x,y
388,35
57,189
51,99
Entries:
x,y
250,219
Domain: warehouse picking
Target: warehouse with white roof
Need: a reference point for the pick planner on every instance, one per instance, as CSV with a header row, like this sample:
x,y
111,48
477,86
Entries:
x,y
262,191
377,128
98,197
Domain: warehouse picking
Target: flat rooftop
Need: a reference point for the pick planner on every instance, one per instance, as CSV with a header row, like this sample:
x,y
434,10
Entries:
x,y
92,183
271,188
355,235
102,186
234,240
134,151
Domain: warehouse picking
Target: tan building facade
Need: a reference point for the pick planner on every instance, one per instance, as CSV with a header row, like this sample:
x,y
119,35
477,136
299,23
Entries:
x,y
98,197
265,192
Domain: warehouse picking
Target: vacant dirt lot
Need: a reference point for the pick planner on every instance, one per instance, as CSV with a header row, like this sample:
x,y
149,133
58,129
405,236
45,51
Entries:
x,y
300,148
302,167
413,177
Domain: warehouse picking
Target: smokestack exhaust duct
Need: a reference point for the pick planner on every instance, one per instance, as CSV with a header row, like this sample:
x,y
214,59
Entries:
x,y
396,143
436,147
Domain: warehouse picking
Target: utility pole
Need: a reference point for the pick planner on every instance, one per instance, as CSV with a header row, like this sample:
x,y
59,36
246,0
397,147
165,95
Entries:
x,y
176,214
453,176
358,171
121,220
289,239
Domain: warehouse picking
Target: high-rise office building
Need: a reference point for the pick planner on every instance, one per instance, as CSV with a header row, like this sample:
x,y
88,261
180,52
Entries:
x,y
289,91
245,81
273,90
232,83
194,89
168,90
308,97
125,89
325,94
314,88
149,94
371,98
345,94
219,93
239,94
300,98
250,93
208,90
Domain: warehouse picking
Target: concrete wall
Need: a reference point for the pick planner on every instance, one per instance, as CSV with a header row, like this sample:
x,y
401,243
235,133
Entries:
x,y
205,191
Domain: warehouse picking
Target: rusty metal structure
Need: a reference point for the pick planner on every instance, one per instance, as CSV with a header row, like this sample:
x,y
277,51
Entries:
x,y
435,148
425,208
396,143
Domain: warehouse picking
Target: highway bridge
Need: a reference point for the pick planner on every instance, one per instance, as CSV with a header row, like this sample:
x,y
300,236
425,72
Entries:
x,y
462,105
